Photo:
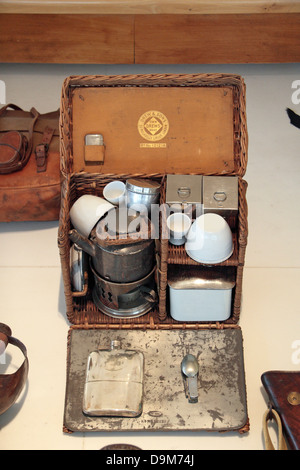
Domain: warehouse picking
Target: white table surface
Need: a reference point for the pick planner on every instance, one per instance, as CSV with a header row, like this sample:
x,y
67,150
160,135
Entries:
x,y
32,298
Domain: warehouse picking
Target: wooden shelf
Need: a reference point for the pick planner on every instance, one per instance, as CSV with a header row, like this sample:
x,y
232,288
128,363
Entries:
x,y
158,7
153,32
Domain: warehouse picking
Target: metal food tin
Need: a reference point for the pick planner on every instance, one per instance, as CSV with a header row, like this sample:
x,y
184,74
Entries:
x,y
199,293
220,195
185,190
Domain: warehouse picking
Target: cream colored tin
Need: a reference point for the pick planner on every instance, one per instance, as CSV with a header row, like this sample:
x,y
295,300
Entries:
x,y
200,294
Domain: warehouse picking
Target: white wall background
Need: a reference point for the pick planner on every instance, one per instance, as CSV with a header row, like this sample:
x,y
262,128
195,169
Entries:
x,y
32,300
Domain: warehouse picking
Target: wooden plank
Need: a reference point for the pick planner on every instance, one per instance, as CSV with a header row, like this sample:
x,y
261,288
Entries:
x,y
156,39
118,7
67,39
173,39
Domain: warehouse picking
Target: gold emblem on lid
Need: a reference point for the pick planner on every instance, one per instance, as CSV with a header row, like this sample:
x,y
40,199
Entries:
x,y
153,126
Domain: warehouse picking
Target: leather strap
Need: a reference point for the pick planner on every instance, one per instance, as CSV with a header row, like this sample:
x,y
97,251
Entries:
x,y
269,414
10,105
41,150
12,147
19,163
11,385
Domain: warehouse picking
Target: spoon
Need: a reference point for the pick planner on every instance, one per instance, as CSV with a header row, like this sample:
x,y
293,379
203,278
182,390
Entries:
x,y
190,368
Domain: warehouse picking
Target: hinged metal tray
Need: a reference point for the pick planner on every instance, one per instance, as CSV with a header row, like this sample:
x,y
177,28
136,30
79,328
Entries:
x,y
221,382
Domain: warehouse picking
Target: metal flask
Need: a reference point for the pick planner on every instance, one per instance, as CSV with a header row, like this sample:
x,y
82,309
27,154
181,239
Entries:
x,y
114,382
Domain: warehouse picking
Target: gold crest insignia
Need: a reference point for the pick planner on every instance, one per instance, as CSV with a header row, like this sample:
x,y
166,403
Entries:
x,y
153,126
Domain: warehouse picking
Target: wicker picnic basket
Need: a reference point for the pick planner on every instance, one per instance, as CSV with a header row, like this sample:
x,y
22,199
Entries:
x,y
80,308
78,180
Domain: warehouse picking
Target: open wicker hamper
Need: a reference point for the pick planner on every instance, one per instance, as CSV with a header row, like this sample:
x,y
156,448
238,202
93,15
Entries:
x,y
79,179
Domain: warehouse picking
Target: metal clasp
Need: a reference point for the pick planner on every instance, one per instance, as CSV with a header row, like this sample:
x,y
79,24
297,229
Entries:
x,y
294,398
270,414
220,196
184,192
41,153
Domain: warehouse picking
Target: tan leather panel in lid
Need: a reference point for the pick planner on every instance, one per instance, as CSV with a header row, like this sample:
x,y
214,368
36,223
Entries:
x,y
155,129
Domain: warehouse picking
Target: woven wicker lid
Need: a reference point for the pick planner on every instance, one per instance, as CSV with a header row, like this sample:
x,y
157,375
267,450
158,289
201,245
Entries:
x,y
180,124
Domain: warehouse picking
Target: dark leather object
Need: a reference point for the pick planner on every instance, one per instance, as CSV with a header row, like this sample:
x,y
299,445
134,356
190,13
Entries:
x,y
279,385
11,385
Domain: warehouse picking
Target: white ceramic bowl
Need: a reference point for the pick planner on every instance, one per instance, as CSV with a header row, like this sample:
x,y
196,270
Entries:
x,y
209,239
115,192
179,225
87,211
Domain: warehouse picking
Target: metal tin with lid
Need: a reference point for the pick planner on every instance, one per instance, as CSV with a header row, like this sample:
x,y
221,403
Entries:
x,y
141,193
200,293
220,195
184,189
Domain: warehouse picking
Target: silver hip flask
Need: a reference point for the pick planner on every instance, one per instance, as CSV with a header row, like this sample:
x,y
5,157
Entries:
x,y
114,382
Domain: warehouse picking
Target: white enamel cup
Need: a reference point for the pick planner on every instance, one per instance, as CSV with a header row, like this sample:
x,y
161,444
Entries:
x,y
87,211
114,192
179,225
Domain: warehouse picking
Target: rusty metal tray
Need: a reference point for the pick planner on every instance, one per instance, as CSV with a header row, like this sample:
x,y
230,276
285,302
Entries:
x,y
222,404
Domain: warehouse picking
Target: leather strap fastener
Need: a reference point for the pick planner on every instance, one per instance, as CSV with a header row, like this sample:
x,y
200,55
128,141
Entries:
x,y
41,150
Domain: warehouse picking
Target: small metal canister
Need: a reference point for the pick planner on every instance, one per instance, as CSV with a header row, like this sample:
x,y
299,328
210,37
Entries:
x,y
185,190
220,195
142,193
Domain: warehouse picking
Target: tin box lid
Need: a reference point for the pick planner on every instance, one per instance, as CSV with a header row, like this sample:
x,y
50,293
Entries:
x,y
184,189
155,124
220,192
200,278
143,186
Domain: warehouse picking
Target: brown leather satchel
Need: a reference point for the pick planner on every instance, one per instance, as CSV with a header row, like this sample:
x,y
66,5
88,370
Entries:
x,y
29,165
283,389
